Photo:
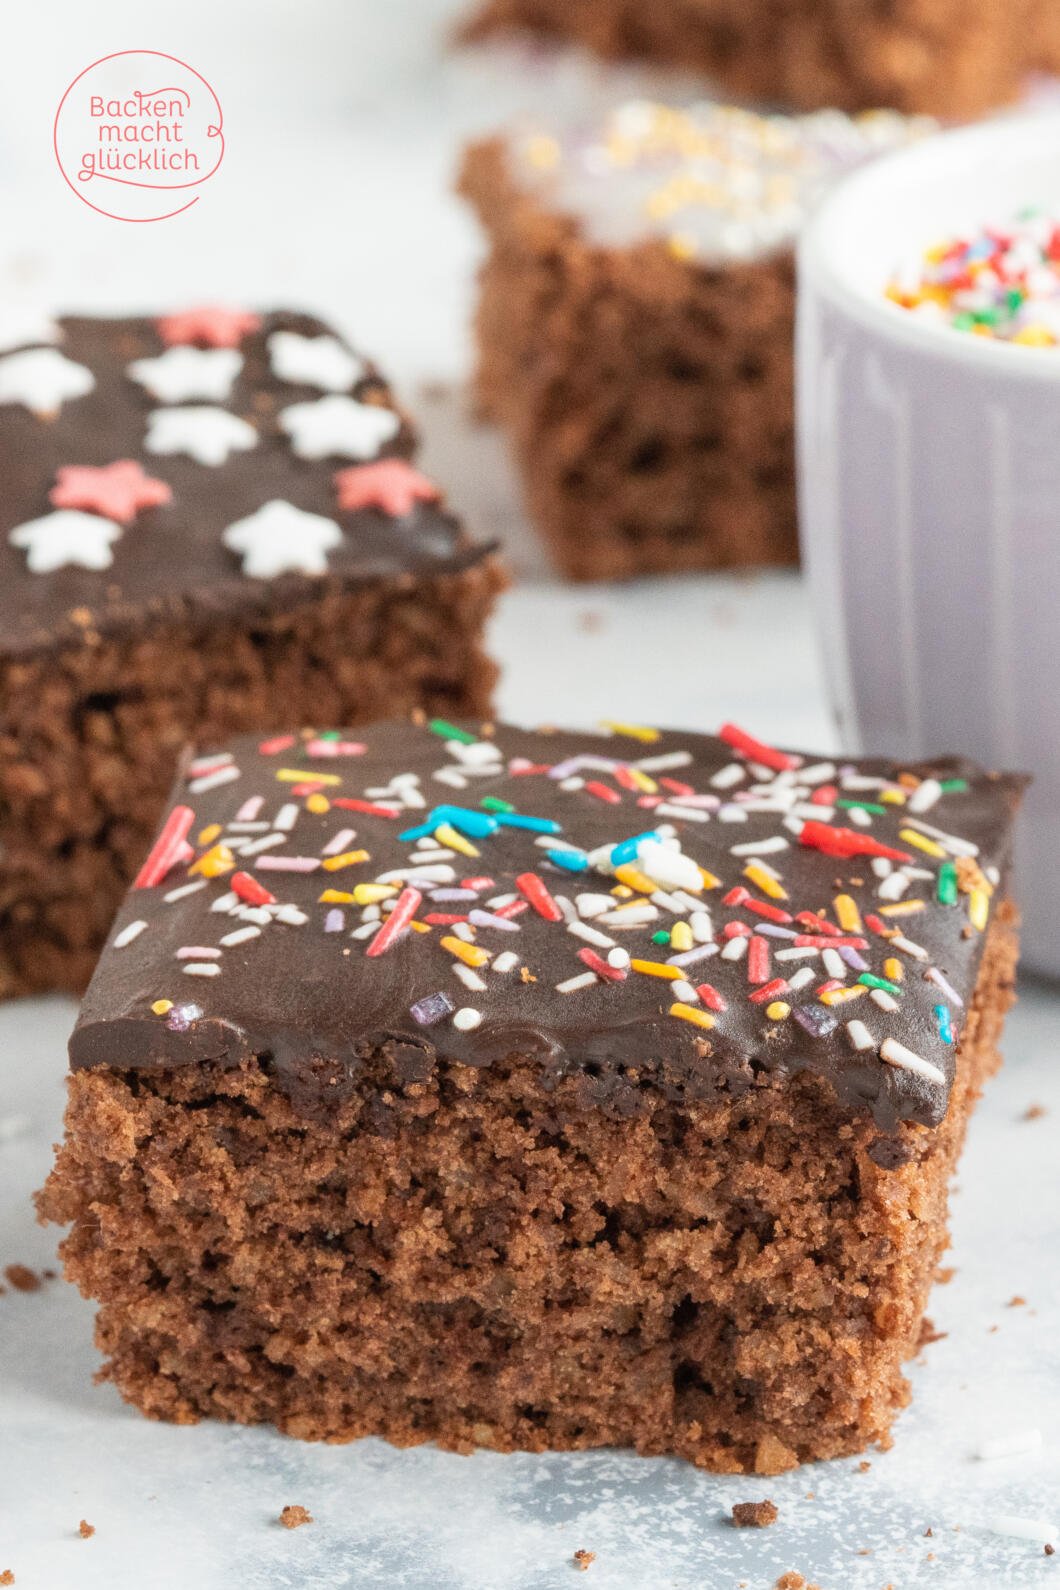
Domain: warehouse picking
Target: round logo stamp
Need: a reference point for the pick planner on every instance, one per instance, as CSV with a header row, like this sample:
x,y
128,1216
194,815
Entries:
x,y
137,134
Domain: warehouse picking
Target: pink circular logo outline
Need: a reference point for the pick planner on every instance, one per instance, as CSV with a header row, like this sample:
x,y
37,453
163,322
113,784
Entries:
x,y
214,130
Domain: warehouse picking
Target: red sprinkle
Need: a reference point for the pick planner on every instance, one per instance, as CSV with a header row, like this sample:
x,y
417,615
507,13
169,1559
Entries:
x,y
772,990
737,896
623,776
757,959
828,987
772,913
250,890
532,889
876,924
611,974
817,941
603,792
754,749
513,908
846,842
311,786
167,848
817,924
825,795
443,918
406,905
733,930
675,786
370,809
282,742
710,997
476,883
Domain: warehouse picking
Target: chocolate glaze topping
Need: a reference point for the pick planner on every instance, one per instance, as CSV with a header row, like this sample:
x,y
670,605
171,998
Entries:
x,y
171,561
309,998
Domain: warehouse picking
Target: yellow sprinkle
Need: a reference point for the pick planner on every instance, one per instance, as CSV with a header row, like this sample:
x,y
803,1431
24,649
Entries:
x,y
657,969
542,152
161,1006
892,797
903,908
621,891
843,996
209,834
635,731
318,804
847,914
447,835
372,893
349,858
921,842
978,908
709,880
893,969
1035,336
470,954
646,785
778,1010
765,881
337,897
698,1018
214,862
635,879
681,936
294,775
420,927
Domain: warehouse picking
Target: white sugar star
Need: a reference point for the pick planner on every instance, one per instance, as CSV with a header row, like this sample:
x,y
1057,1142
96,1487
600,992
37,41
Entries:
x,y
42,379
339,427
66,536
182,373
21,327
281,537
314,361
205,433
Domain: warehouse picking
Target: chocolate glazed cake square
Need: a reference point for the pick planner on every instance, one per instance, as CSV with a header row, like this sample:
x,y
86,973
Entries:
x,y
208,522
952,58
538,1090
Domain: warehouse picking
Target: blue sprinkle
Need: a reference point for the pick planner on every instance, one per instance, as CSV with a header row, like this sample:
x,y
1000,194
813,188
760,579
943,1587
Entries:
x,y
629,849
425,1012
475,825
569,860
418,833
815,1020
536,825
335,921
942,1016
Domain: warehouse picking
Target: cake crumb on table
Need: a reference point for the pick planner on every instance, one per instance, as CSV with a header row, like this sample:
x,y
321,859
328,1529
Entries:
x,y
85,1529
22,1278
293,1517
7,1577
1034,1112
754,1515
582,1559
1016,1301
864,1466
1050,1551
793,1580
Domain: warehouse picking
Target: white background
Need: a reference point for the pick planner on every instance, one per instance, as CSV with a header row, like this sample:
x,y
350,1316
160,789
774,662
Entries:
x,y
343,120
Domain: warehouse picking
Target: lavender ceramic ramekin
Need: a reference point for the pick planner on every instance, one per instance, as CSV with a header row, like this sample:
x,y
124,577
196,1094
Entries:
x,y
929,482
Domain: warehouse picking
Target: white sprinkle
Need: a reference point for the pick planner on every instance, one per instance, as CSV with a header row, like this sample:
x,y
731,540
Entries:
x,y
799,979
894,885
240,936
689,813
732,814
933,975
1042,1530
202,969
286,817
859,1035
591,905
468,977
254,913
210,762
684,992
763,774
834,964
761,847
916,951
1016,1444
818,773
591,935
506,961
702,927
224,775
237,827
367,930
812,812
225,902
288,863
859,817
185,888
573,984
924,796
425,858
618,958
881,997
250,809
881,866
479,754
664,761
574,783
702,952
632,916
341,842
765,805
735,949
794,954
496,901
197,952
463,930
467,1019
896,1054
291,915
432,874
455,780
256,846
950,842
667,867
129,933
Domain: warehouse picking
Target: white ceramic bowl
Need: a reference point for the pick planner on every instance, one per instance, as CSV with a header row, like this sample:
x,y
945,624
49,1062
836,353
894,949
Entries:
x,y
929,481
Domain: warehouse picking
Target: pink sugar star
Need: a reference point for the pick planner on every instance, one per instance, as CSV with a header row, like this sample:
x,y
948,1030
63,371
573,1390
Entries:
x,y
390,484
118,490
210,326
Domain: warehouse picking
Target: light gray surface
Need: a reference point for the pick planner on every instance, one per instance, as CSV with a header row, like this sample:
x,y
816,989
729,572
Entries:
x,y
344,125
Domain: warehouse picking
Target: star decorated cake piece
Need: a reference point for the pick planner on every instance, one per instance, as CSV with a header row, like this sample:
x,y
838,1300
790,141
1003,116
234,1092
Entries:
x,y
537,1089
176,558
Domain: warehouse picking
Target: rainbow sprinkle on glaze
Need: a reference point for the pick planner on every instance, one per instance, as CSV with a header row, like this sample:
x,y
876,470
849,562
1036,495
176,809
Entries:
x,y
1000,282
721,887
